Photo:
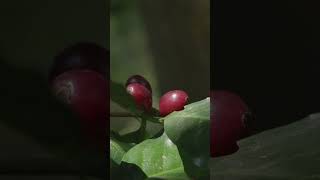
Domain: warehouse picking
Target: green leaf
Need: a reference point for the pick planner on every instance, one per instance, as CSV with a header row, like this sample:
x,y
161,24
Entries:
x,y
119,95
118,149
288,152
139,135
189,130
158,158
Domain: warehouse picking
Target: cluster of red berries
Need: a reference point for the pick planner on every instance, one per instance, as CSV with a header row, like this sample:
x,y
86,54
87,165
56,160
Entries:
x,y
79,78
140,89
229,113
229,117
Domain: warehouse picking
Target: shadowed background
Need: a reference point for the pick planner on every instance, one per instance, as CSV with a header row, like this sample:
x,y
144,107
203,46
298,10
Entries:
x,y
268,53
40,137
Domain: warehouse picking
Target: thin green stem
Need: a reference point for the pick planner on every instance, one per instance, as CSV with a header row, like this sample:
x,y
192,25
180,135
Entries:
x,y
121,114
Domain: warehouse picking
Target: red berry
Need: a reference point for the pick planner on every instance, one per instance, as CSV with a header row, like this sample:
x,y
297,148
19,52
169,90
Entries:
x,y
142,96
227,122
172,101
81,56
86,93
139,79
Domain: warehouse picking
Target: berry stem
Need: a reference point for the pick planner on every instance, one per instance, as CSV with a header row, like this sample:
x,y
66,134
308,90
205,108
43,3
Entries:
x,y
121,114
142,129
128,115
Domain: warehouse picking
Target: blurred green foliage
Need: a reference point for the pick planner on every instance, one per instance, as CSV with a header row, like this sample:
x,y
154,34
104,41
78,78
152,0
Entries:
x,y
129,50
179,37
129,56
165,41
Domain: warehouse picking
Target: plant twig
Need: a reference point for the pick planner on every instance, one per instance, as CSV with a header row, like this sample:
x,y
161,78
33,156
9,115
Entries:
x,y
121,114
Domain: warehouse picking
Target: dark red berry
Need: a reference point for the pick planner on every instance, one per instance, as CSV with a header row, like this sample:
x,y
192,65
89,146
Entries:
x,y
172,101
83,55
228,113
139,79
86,93
142,96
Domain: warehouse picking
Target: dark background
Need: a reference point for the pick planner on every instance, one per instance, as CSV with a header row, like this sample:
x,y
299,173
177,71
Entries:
x,y
268,53
40,138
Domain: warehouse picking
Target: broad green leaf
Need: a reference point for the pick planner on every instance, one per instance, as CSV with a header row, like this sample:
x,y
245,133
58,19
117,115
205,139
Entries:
x,y
136,136
119,95
288,152
189,130
118,149
158,158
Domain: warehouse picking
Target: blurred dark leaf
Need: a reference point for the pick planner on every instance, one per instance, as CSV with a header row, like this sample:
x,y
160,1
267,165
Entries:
x,y
189,130
131,172
288,152
126,172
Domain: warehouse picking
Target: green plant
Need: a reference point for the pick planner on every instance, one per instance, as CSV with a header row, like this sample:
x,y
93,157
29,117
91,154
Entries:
x,y
180,150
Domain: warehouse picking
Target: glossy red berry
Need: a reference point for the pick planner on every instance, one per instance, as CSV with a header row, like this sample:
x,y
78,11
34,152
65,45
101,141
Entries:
x,y
172,101
228,113
142,96
139,79
81,56
86,93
